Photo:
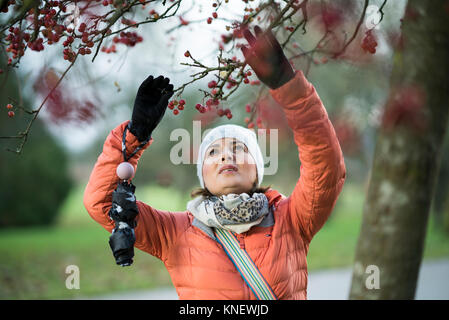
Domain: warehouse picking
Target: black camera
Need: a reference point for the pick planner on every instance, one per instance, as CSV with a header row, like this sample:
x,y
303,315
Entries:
x,y
123,212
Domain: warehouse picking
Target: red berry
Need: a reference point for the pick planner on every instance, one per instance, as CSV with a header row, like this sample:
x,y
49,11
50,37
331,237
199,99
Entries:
x,y
251,125
209,20
246,119
212,84
369,42
10,114
220,112
9,106
248,108
82,27
187,54
175,112
209,102
182,102
181,107
215,15
229,115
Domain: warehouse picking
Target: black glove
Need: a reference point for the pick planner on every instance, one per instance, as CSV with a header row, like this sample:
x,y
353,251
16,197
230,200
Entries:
x,y
266,58
149,106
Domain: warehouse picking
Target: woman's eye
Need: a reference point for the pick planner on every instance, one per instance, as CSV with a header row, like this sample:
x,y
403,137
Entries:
x,y
211,152
239,147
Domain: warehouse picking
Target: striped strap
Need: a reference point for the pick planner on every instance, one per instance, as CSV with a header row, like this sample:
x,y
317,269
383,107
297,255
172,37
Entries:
x,y
244,265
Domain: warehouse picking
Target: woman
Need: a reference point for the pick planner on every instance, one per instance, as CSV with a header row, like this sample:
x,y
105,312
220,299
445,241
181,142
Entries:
x,y
274,230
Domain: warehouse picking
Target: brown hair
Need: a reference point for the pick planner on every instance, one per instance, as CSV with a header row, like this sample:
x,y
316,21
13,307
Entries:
x,y
206,193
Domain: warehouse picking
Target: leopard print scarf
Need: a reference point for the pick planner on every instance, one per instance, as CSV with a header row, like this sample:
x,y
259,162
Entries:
x,y
235,212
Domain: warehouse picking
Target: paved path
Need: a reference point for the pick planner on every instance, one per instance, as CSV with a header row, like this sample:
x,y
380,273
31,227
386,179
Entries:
x,y
433,283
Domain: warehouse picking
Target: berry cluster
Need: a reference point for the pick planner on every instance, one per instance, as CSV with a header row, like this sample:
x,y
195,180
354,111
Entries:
x,y
369,42
248,122
214,16
200,108
10,112
112,48
175,103
46,19
46,26
128,38
212,84
226,112
69,54
16,39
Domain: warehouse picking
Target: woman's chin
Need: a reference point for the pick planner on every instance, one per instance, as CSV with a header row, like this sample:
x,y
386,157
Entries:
x,y
229,180
231,188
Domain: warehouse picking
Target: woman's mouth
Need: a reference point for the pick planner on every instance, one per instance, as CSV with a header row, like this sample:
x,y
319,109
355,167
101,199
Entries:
x,y
228,169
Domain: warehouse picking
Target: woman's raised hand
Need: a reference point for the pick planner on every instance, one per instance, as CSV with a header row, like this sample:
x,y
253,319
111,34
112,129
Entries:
x,y
149,106
266,58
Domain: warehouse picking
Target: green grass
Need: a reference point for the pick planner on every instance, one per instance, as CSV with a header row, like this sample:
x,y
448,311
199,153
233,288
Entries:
x,y
34,260
334,245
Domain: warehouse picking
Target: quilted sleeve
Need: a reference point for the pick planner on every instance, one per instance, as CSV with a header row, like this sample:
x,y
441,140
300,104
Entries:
x,y
156,230
322,168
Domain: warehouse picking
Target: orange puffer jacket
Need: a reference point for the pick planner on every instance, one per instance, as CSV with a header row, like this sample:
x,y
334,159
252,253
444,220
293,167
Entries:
x,y
198,266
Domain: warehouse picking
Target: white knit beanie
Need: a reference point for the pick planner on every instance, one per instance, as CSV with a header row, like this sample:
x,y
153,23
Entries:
x,y
247,136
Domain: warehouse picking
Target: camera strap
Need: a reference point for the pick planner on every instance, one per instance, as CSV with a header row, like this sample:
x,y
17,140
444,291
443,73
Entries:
x,y
124,143
244,264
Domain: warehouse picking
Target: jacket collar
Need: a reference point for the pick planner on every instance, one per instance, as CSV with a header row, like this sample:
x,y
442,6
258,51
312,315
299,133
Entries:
x,y
274,197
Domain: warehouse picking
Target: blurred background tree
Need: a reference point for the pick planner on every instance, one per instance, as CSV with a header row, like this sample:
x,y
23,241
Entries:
x,y
407,157
35,185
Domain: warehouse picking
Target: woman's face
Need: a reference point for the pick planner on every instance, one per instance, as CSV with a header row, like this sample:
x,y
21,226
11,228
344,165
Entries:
x,y
228,167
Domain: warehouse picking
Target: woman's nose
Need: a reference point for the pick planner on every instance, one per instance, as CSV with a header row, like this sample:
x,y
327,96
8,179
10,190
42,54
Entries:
x,y
227,154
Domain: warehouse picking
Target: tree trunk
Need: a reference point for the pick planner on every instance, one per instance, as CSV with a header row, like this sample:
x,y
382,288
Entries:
x,y
406,160
440,204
